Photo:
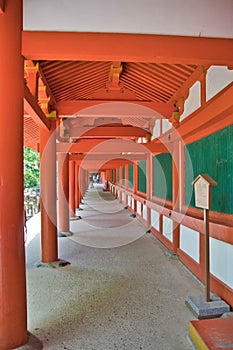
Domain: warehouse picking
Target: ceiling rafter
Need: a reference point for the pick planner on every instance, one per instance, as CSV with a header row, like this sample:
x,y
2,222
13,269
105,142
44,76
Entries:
x,y
160,71
144,95
81,81
158,84
144,86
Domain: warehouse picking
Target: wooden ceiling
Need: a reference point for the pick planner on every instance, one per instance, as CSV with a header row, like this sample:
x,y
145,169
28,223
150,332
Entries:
x,y
79,74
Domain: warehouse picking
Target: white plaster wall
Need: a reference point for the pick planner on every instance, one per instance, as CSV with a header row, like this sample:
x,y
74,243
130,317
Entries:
x,y
210,18
123,196
156,129
167,228
155,219
129,201
132,204
217,78
193,102
144,212
221,261
189,242
139,208
166,125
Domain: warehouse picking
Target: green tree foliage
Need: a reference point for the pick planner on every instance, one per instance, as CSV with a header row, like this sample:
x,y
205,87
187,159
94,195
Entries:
x,y
31,168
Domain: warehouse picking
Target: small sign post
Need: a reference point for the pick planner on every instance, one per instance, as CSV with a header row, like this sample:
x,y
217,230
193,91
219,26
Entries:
x,y
203,199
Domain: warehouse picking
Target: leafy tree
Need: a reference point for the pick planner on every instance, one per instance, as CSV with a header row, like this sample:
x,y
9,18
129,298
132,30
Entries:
x,y
31,168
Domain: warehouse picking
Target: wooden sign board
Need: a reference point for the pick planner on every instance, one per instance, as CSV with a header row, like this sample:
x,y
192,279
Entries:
x,y
203,191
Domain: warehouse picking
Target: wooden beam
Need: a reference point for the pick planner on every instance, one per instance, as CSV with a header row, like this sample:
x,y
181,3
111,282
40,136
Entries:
x,y
103,146
159,147
72,108
32,108
126,48
108,131
108,157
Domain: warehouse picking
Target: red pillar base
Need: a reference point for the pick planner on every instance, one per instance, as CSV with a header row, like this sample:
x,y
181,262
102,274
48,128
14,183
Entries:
x,y
73,218
33,343
64,234
54,264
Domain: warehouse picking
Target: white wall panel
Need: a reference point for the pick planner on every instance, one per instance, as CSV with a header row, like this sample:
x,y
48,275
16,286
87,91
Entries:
x,y
221,261
132,204
193,102
167,228
217,78
155,219
166,125
144,212
139,208
189,242
156,129
211,18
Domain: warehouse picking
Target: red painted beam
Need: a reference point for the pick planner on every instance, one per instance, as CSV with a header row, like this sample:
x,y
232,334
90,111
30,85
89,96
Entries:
x,y
73,108
103,146
108,131
126,48
91,157
32,108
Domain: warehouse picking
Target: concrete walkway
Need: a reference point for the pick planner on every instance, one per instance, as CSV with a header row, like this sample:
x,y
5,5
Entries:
x,y
128,295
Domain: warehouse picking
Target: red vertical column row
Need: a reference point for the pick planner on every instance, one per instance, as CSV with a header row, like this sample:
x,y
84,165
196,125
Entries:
x,y
72,188
135,189
63,193
77,186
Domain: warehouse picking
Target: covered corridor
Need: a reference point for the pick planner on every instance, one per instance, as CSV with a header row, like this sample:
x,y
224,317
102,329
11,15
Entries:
x,y
128,297
142,96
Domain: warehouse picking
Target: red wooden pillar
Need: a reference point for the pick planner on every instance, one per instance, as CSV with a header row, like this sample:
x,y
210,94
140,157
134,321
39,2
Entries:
x,y
13,314
120,182
117,183
48,195
126,183
149,183
103,177
135,189
63,193
72,187
80,184
77,188
176,193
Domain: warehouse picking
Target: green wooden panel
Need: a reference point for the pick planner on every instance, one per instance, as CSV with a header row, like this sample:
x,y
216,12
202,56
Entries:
x,y
142,176
131,176
123,176
119,174
163,176
212,155
114,175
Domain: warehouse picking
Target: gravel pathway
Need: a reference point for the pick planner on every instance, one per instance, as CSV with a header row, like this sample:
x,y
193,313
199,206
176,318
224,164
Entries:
x,y
128,297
